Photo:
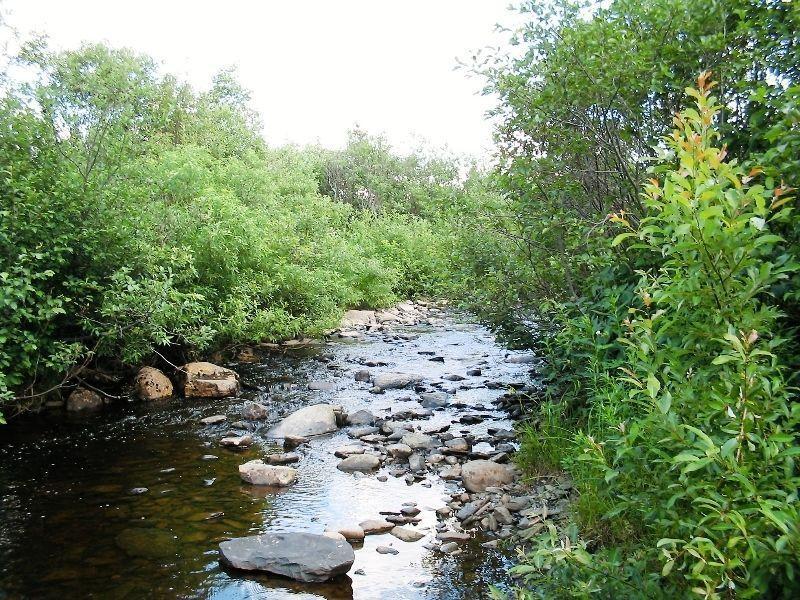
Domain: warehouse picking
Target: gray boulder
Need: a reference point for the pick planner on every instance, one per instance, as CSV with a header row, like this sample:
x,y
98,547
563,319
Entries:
x,y
360,417
391,381
417,441
434,399
300,556
359,462
311,420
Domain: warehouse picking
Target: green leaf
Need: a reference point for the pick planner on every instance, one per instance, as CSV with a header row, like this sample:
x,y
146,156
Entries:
x,y
728,447
667,569
653,385
619,238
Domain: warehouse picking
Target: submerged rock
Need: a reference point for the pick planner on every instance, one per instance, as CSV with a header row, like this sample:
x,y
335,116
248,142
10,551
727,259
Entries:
x,y
207,380
152,384
300,556
254,411
146,542
311,420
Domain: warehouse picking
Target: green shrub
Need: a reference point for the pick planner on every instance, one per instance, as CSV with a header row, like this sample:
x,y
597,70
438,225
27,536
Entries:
x,y
702,459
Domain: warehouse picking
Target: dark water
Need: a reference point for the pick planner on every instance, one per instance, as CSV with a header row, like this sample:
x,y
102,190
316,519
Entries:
x,y
69,528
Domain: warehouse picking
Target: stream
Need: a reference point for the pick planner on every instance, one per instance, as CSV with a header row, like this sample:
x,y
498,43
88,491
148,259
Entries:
x,y
70,526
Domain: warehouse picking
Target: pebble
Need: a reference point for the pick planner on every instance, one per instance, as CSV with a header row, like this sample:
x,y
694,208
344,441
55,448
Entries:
x,y
386,550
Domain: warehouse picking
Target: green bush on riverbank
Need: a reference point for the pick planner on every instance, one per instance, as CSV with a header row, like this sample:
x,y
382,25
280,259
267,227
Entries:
x,y
140,216
664,290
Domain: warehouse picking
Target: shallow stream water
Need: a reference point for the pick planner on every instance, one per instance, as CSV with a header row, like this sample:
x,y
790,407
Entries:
x,y
70,528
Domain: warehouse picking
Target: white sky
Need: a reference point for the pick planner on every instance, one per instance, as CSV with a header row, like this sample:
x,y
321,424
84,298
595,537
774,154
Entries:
x,y
315,67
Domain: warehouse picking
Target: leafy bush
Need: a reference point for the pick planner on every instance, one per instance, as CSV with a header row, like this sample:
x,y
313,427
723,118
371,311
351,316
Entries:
x,y
700,459
142,218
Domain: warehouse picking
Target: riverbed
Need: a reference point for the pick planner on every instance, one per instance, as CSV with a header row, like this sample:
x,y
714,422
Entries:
x,y
71,527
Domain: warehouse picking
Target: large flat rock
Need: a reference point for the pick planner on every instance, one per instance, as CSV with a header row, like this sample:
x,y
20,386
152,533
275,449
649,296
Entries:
x,y
311,420
300,556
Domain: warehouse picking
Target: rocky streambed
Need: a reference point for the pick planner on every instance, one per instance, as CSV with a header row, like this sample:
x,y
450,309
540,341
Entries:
x,y
374,464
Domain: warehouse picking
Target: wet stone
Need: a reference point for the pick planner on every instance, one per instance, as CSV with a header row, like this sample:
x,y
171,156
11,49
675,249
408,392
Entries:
x,y
352,533
417,441
282,458
362,375
360,432
259,473
457,446
254,411
450,548
243,441
301,556
361,417
375,526
452,536
399,450
213,420
363,463
407,534
349,450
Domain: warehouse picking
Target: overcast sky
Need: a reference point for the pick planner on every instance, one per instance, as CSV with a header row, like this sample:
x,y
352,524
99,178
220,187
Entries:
x,y
315,67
